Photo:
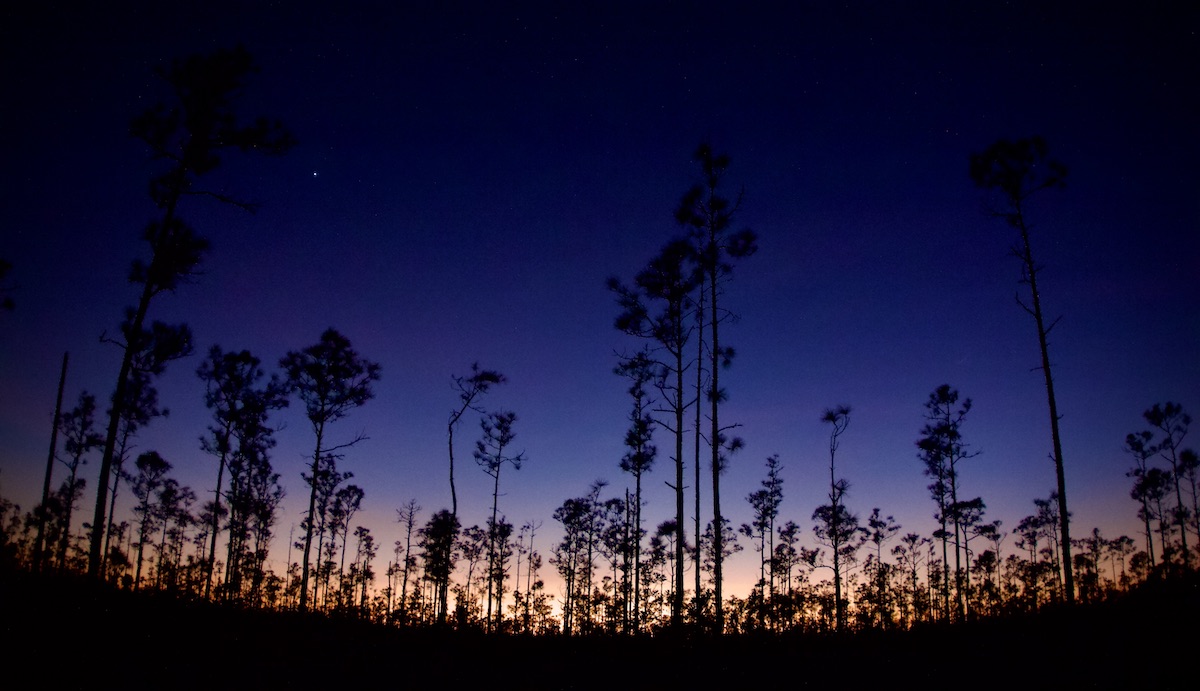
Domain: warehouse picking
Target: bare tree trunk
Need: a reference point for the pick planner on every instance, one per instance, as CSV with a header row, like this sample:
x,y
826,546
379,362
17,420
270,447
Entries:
x,y
212,550
699,397
112,503
958,534
1064,518
836,542
308,533
715,442
491,566
38,550
677,596
637,555
119,395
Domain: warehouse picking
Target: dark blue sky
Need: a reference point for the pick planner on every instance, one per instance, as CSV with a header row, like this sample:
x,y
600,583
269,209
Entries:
x,y
466,180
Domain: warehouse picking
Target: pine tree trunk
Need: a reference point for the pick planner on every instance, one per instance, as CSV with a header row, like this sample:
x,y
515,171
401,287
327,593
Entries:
x,y
637,554
212,550
38,550
1060,476
718,523
677,596
122,387
308,532
112,508
696,557
492,544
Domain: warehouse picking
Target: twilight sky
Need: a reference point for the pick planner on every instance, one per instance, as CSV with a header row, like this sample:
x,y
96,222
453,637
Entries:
x,y
466,180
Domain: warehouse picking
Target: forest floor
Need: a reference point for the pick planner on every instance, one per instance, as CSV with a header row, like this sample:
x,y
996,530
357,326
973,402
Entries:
x,y
68,633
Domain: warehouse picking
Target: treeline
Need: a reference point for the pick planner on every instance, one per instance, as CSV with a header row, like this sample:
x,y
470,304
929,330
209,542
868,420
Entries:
x,y
617,575
616,578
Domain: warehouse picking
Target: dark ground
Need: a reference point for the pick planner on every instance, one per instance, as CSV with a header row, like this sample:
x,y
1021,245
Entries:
x,y
68,633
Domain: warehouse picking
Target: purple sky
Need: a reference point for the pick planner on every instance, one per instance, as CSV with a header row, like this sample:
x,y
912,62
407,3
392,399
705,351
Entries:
x,y
465,182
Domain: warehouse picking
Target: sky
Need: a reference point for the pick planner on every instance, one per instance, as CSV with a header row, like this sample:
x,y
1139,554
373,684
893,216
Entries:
x,y
466,180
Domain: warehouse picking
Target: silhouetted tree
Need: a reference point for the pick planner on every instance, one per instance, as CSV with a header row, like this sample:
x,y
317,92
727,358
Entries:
x,y
785,555
346,502
500,538
523,601
472,547
574,556
1189,465
1172,423
141,402
40,542
331,379
361,575
498,435
909,554
665,285
151,472
190,137
702,384
1044,569
968,516
1151,489
987,564
469,388
941,448
709,543
407,517
80,439
240,406
1088,554
639,459
880,529
1018,170
155,347
437,542
174,508
664,554
1140,446
616,545
709,218
1120,549
835,525
254,497
327,480
765,504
